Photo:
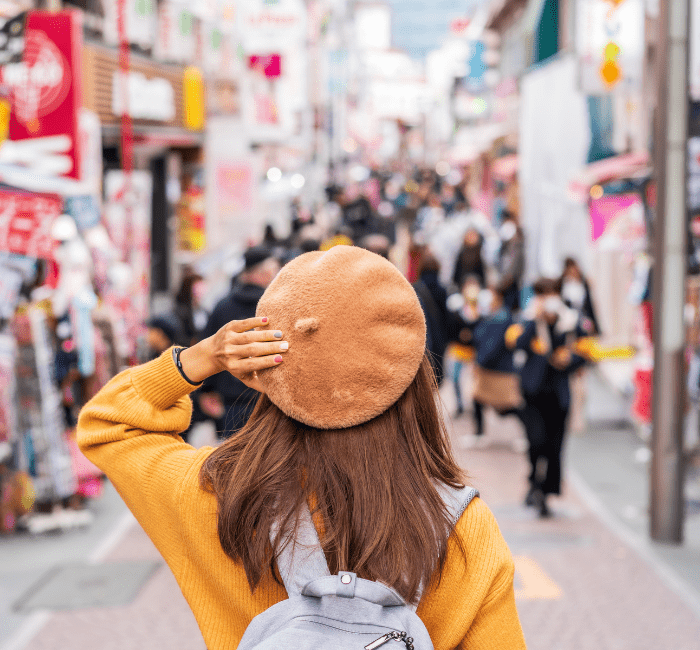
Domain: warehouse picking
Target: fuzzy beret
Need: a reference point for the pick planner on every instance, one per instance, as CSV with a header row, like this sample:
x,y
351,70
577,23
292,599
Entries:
x,y
356,335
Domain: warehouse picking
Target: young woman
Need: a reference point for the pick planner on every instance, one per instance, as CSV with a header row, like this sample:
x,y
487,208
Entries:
x,y
346,425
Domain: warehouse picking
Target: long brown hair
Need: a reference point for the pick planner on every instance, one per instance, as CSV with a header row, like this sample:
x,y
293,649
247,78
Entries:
x,y
371,488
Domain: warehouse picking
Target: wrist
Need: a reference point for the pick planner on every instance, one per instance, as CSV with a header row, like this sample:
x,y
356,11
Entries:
x,y
198,363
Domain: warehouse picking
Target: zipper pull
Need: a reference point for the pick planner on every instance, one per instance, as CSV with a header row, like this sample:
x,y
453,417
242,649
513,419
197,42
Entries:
x,y
382,640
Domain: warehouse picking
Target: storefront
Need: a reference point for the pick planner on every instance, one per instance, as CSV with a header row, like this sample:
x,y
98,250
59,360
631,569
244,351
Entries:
x,y
168,157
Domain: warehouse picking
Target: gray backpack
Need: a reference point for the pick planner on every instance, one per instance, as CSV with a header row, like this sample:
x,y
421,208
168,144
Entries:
x,y
342,611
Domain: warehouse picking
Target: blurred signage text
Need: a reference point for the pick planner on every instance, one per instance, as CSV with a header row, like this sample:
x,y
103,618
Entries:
x,y
149,99
45,86
25,223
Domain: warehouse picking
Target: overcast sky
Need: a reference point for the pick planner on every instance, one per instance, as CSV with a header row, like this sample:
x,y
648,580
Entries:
x,y
421,25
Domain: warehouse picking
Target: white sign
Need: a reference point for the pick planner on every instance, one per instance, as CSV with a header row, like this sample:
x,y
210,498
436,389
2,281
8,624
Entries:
x,y
610,45
271,25
139,18
148,99
694,44
400,100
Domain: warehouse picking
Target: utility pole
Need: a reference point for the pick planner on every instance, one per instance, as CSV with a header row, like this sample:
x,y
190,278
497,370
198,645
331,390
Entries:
x,y
670,154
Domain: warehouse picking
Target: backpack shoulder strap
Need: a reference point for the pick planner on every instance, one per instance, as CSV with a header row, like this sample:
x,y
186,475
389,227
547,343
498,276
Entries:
x,y
302,558
456,501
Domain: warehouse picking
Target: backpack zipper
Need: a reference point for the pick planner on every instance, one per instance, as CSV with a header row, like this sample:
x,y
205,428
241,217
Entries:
x,y
391,636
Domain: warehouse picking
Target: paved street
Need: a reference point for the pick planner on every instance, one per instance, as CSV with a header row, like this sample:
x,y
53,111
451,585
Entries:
x,y
580,586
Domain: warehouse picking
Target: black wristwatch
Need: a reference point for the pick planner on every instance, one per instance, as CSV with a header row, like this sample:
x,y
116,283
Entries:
x,y
178,363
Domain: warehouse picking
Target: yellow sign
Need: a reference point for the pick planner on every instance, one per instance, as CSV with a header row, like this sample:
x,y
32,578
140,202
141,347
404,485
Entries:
x,y
610,71
193,86
4,119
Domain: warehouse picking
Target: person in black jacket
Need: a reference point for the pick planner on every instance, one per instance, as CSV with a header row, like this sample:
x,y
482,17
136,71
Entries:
x,y
439,321
223,397
470,261
549,340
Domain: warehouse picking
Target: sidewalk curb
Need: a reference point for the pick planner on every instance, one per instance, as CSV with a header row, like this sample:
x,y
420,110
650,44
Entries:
x,y
637,543
38,619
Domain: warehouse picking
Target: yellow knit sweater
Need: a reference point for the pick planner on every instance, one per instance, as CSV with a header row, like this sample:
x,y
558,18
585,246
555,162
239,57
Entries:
x,y
129,430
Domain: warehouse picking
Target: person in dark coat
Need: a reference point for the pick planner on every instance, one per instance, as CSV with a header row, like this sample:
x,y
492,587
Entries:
x,y
223,397
439,321
576,294
188,309
469,259
511,261
549,340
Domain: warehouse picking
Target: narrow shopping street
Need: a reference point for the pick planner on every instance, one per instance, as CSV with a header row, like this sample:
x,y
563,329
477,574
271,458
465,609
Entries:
x,y
582,582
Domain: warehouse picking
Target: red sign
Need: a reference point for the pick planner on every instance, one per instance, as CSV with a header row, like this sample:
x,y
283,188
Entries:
x,y
270,65
45,86
25,223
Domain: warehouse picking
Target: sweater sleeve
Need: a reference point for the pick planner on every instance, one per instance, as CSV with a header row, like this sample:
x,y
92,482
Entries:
x,y
130,431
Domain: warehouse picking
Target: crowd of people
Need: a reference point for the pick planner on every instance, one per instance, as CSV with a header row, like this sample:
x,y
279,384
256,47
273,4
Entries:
x,y
523,344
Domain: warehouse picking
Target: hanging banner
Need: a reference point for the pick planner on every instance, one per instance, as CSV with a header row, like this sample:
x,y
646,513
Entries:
x,y
25,223
45,90
618,221
191,221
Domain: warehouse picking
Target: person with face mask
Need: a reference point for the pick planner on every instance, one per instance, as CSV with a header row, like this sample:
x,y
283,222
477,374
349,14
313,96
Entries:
x,y
576,294
549,340
484,321
511,261
466,311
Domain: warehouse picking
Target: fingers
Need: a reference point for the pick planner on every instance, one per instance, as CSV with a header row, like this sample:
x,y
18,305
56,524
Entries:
x,y
259,349
248,323
245,338
247,366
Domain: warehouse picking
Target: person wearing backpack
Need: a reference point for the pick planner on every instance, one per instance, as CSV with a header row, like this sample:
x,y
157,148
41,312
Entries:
x,y
337,516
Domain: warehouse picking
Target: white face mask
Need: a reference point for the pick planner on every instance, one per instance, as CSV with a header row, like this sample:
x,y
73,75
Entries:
x,y
485,302
574,292
552,305
507,231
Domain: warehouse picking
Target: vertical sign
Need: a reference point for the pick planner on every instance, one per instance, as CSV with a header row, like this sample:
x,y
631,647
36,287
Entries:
x,y
45,87
610,44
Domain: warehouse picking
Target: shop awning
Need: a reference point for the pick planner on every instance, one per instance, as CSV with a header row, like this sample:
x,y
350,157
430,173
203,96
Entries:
x,y
625,166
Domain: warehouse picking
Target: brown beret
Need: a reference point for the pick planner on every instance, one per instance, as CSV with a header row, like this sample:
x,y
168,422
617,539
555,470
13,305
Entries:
x,y
356,335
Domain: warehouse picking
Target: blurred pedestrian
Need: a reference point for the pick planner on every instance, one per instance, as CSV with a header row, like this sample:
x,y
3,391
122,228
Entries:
x,y
576,294
511,261
163,331
495,381
347,428
188,307
469,259
549,339
433,298
225,399
465,307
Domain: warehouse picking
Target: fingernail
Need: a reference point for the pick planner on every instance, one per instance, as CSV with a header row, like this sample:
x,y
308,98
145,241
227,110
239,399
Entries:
x,y
264,320
278,335
278,359
284,345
